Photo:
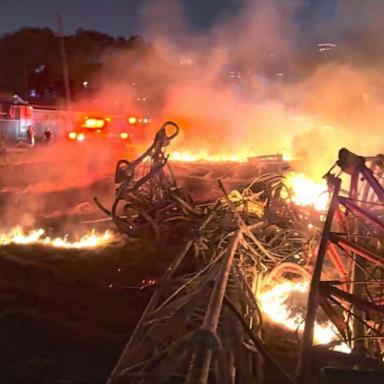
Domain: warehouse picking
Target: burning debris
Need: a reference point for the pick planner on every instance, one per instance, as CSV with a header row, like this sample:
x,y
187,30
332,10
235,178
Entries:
x,y
147,197
348,274
246,254
306,192
285,304
237,292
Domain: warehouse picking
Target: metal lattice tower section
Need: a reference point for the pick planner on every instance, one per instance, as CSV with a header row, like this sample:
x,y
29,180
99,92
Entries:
x,y
202,326
348,276
203,323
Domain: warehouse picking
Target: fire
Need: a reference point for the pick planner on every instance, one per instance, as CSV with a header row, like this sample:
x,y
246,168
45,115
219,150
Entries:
x,y
306,192
274,304
91,239
241,156
204,156
302,190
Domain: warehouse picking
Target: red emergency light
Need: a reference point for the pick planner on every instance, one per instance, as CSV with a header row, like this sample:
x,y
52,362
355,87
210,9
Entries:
x,y
94,123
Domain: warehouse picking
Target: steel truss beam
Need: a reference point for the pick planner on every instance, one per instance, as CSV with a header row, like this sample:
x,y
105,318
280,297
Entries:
x,y
352,242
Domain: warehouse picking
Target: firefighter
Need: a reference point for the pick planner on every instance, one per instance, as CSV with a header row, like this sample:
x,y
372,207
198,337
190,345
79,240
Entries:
x,y
3,148
48,135
31,135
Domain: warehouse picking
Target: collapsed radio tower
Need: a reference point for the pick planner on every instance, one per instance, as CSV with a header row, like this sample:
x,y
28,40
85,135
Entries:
x,y
204,324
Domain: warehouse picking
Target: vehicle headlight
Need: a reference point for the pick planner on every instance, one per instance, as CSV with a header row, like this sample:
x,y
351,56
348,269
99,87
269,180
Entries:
x,y
72,135
132,120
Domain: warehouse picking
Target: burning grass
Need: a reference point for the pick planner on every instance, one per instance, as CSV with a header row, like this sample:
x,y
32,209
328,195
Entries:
x,y
65,313
90,239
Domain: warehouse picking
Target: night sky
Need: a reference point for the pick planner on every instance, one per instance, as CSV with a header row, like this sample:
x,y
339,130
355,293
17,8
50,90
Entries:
x,y
121,17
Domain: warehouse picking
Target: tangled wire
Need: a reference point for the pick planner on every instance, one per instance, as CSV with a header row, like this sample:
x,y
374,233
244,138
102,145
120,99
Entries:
x,y
148,201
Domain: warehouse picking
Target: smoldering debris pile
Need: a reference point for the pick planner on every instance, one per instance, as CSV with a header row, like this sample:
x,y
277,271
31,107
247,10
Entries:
x,y
206,320
206,298
149,200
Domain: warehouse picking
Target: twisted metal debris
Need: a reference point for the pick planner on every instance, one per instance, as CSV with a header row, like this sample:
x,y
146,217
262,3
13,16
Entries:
x,y
147,196
203,322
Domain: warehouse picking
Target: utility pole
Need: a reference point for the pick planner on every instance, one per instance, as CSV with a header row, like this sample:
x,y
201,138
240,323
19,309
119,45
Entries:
x,y
64,62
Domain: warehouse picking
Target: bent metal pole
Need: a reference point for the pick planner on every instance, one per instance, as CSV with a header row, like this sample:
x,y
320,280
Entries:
x,y
202,356
304,361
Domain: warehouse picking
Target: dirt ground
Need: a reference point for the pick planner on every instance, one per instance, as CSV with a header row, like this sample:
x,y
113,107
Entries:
x,y
65,315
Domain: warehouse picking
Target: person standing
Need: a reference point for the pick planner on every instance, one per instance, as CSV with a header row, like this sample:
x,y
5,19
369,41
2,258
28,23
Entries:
x,y
48,135
3,148
31,135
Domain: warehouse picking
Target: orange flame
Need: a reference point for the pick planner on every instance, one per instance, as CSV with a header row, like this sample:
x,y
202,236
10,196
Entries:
x,y
274,305
302,190
91,239
186,156
306,192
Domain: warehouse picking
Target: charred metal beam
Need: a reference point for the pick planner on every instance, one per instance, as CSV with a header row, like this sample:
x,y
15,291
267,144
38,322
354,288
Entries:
x,y
353,247
202,356
328,290
360,212
303,373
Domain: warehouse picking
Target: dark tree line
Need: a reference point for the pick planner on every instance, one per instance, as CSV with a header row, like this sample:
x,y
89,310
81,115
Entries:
x,y
31,65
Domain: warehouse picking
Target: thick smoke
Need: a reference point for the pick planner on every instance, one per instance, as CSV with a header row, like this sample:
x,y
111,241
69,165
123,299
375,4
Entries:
x,y
246,87
187,77
55,183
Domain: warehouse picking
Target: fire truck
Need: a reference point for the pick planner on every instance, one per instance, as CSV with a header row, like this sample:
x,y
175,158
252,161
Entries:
x,y
87,127
17,115
15,119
